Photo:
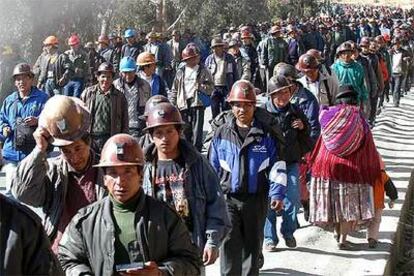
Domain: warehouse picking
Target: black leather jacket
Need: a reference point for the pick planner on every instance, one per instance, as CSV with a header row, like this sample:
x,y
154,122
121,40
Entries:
x,y
88,244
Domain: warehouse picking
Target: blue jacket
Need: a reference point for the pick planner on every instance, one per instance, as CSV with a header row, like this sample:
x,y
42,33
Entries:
x,y
158,86
210,219
230,66
31,107
249,167
309,105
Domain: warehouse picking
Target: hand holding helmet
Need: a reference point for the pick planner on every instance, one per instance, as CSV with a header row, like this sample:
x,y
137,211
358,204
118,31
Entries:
x,y
41,136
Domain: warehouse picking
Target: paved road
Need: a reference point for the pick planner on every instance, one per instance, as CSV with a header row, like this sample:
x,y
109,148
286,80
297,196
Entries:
x,y
316,253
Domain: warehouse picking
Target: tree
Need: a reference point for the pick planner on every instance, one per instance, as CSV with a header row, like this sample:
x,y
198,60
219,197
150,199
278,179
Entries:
x,y
293,8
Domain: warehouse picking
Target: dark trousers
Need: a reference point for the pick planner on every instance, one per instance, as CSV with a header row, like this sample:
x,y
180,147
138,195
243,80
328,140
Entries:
x,y
263,79
51,88
74,88
239,254
218,100
194,117
397,82
373,112
404,83
385,95
408,80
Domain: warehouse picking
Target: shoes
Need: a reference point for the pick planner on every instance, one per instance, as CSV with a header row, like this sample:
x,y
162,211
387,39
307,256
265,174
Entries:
x,y
337,237
290,242
379,110
270,247
260,260
344,246
372,243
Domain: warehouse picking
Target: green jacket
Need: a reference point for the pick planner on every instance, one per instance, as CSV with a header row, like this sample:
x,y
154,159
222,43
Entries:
x,y
351,74
275,50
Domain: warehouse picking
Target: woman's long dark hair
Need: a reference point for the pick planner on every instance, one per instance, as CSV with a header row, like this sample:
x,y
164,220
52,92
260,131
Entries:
x,y
348,100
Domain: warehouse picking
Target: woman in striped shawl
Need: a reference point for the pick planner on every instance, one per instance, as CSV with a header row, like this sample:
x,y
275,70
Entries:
x,y
345,165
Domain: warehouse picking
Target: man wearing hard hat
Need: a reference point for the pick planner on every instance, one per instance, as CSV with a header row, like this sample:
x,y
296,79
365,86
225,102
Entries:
x,y
18,119
55,68
64,184
80,65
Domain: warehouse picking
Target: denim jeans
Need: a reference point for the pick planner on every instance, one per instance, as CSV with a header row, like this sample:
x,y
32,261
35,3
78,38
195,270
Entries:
x,y
73,88
397,82
290,210
51,88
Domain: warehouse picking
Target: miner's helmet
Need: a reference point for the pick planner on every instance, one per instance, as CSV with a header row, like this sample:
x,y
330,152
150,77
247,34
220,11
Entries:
x,y
163,114
307,63
242,91
189,52
287,70
277,84
121,150
152,103
105,67
23,69
67,120
145,58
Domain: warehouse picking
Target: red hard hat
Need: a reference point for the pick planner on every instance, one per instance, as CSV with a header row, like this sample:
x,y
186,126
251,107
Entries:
x,y
121,150
242,91
73,40
387,37
189,52
163,114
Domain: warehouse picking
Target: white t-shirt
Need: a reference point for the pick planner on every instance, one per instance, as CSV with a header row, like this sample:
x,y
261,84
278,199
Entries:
x,y
220,75
190,81
397,63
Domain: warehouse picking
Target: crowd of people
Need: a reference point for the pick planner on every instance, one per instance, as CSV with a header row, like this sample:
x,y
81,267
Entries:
x,y
105,143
